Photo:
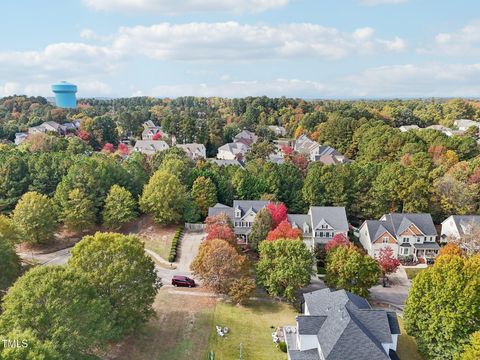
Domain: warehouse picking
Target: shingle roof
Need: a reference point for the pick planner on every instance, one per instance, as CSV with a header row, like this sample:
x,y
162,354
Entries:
x,y
463,222
222,162
304,355
309,325
349,328
333,215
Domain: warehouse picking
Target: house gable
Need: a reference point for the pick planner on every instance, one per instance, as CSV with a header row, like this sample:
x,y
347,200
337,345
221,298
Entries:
x,y
323,225
412,230
391,239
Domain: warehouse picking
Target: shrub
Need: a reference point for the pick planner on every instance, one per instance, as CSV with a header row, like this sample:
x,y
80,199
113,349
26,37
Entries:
x,y
282,346
176,240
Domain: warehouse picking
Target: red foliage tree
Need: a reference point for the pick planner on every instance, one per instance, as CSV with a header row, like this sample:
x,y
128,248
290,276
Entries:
x,y
278,212
123,149
82,134
287,150
475,177
223,232
157,136
108,148
387,262
300,161
284,231
219,219
337,240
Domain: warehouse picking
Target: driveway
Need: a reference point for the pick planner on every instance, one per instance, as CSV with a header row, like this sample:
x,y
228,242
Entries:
x,y
59,257
395,294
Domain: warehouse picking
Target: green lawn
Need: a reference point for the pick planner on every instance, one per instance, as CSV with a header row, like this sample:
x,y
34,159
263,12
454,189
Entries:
x,y
412,272
406,347
251,325
159,239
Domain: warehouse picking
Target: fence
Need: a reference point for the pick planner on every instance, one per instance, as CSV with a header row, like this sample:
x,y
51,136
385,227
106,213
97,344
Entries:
x,y
194,227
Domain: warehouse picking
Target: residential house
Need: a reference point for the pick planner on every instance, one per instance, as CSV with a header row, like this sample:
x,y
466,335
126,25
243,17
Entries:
x,y
316,152
221,162
320,224
407,234
150,147
339,325
278,130
150,130
406,128
242,215
245,137
194,151
465,124
455,226
276,158
232,151
20,138
442,129
47,126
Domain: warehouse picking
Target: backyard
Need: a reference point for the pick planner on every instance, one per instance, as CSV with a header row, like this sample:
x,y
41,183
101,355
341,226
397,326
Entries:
x,y
406,347
184,329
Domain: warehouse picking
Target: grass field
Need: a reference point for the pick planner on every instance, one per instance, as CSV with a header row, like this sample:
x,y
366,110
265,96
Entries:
x,y
412,272
407,347
252,326
158,239
184,329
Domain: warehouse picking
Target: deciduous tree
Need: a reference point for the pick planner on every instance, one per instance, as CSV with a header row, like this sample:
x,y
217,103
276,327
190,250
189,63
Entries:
x,y
122,273
79,212
443,306
35,218
164,197
204,193
337,240
348,268
387,262
119,207
278,212
284,267
285,231
260,228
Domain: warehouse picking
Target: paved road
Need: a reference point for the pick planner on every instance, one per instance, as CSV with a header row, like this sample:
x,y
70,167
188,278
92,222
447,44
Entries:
x,y
187,252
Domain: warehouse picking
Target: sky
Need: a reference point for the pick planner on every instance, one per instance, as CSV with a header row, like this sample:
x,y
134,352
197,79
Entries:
x,y
235,48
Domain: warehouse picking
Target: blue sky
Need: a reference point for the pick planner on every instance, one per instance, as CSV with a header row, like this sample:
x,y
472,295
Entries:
x,y
234,48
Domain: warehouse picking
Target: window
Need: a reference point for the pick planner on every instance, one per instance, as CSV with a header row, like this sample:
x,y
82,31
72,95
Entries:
x,y
405,240
418,239
385,240
238,213
405,251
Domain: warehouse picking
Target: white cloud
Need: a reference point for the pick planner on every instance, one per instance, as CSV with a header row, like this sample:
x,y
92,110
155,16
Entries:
x,y
171,7
234,41
273,88
465,41
381,2
424,80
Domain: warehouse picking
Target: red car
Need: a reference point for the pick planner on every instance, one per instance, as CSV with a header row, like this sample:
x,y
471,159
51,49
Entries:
x,y
179,280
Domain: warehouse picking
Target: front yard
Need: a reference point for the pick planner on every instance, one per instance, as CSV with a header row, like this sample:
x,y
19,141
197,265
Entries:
x,y
406,347
412,272
157,238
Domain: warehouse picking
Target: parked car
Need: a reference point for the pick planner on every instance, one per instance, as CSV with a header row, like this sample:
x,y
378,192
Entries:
x,y
178,280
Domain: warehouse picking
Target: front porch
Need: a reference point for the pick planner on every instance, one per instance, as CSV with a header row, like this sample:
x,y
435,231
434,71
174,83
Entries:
x,y
425,251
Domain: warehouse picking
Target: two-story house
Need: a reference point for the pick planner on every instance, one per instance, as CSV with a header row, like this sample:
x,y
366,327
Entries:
x,y
150,147
316,152
245,137
339,325
456,226
194,151
320,224
232,151
406,234
242,215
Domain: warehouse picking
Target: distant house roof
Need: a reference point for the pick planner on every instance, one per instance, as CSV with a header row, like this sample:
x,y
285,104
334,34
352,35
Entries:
x,y
149,124
335,216
304,145
464,222
397,223
243,205
276,158
299,220
246,137
348,327
234,148
278,130
150,147
193,150
221,162
464,124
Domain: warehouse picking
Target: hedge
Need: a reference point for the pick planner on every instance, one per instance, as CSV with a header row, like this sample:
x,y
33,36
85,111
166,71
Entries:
x,y
173,250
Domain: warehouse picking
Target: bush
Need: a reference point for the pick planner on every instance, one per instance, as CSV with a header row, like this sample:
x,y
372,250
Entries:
x,y
321,270
176,240
282,346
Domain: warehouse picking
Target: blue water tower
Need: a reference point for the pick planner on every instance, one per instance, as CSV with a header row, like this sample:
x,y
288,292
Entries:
x,y
65,95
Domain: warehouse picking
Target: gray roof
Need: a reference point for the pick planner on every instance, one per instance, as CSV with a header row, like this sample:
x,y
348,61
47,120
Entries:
x,y
428,245
193,150
351,329
311,354
220,208
305,145
335,216
299,220
463,222
397,223
222,162
150,146
243,205
234,148
309,325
